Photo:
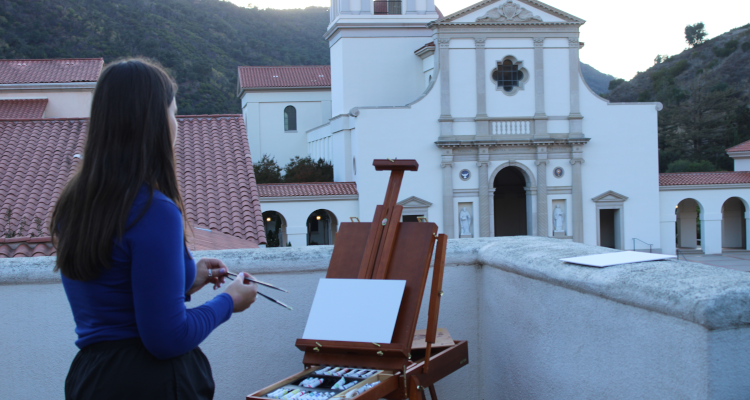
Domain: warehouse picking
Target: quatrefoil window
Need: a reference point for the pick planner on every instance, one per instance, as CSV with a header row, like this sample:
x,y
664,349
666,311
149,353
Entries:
x,y
510,75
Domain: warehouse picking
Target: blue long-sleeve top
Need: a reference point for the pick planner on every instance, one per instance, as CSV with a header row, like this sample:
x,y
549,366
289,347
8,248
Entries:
x,y
142,294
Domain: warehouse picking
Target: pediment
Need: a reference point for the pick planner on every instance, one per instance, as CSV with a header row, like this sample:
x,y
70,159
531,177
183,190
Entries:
x,y
610,197
510,12
414,202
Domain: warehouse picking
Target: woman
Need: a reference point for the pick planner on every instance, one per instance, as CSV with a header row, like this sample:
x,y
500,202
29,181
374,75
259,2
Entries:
x,y
119,232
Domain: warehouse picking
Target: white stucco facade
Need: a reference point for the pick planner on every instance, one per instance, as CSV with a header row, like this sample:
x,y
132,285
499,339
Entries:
x,y
509,157
64,100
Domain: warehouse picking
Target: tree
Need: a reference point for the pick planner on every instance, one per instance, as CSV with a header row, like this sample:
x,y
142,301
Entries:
x,y
658,59
695,34
687,166
307,170
615,83
267,170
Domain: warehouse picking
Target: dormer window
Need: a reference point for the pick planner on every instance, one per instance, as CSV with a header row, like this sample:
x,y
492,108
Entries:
x,y
510,75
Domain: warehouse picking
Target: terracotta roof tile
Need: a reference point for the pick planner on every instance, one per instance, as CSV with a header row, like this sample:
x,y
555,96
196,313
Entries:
x,y
200,239
744,146
50,71
212,156
213,159
307,189
288,76
703,178
22,108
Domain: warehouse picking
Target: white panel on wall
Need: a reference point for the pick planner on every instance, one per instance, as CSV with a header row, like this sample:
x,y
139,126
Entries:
x,y
556,42
556,82
464,128
463,82
462,44
509,43
558,126
521,104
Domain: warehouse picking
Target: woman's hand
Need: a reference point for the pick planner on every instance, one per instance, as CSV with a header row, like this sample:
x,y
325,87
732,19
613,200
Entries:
x,y
243,294
202,276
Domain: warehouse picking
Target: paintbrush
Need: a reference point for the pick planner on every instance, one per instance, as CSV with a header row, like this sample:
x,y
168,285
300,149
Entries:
x,y
233,275
266,296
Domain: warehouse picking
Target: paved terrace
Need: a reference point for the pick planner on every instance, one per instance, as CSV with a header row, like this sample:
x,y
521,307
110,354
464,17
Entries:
x,y
537,328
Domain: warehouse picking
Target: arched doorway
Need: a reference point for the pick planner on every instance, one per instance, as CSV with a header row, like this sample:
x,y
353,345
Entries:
x,y
688,229
733,227
275,226
321,227
510,206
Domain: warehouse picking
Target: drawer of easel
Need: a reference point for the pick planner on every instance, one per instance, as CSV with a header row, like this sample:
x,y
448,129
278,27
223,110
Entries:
x,y
316,384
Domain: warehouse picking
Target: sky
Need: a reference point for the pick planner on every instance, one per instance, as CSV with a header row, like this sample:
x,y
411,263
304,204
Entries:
x,y
621,38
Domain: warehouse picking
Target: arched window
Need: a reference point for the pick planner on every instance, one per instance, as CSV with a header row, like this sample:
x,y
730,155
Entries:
x,y
290,118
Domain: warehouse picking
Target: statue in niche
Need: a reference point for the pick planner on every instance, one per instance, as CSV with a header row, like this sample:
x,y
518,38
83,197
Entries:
x,y
465,218
508,12
559,219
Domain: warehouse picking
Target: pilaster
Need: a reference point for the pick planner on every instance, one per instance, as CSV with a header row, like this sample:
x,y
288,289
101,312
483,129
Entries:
x,y
365,7
448,216
540,117
411,6
541,191
575,118
577,200
446,120
484,192
482,123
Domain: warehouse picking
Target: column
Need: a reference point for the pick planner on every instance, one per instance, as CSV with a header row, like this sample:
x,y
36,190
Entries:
x,y
747,229
448,215
711,233
482,122
446,121
541,192
577,200
575,117
484,192
540,117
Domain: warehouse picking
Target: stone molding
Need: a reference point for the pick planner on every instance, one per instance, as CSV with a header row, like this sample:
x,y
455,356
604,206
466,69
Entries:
x,y
538,42
479,41
610,196
577,160
569,19
521,82
444,43
295,199
447,164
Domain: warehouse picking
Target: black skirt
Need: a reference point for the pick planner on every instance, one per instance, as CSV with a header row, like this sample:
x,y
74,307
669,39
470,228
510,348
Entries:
x,y
124,369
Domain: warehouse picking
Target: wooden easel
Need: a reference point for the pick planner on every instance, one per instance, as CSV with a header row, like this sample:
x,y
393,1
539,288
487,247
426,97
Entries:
x,y
389,249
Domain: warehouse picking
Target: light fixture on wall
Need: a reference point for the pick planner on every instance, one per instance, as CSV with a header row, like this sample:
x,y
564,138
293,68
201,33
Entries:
x,y
317,217
268,219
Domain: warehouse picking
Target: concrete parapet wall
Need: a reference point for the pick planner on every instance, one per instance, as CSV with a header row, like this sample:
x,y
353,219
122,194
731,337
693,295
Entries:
x,y
537,328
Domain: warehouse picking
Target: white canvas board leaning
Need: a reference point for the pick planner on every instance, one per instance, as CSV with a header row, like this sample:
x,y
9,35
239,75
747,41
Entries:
x,y
355,310
616,258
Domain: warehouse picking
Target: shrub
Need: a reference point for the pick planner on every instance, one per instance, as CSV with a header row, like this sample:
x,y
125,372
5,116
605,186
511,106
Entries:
x,y
615,83
307,170
267,170
729,48
691,166
746,46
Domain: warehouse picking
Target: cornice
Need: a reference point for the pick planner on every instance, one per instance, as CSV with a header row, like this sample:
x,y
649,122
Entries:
x,y
490,142
371,25
49,86
294,199
531,3
738,154
669,188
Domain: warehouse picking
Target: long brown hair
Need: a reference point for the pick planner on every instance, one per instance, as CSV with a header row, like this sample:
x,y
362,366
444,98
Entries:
x,y
128,145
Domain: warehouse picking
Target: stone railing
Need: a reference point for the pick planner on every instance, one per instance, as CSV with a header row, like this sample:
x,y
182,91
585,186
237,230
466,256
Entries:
x,y
512,127
537,327
319,143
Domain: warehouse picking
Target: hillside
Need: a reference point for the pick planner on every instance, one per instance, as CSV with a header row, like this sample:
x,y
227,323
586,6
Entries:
x,y
705,91
597,81
201,42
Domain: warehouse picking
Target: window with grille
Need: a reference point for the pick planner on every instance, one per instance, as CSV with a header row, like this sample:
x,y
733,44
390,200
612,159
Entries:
x,y
290,118
509,75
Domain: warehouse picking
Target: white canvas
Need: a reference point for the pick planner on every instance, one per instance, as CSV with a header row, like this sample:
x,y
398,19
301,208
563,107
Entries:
x,y
620,257
355,310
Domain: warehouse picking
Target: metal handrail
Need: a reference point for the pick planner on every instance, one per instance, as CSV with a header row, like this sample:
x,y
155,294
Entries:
x,y
650,246
679,253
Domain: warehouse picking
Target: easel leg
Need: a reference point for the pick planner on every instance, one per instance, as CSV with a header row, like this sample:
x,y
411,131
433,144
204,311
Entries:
x,y
414,393
433,395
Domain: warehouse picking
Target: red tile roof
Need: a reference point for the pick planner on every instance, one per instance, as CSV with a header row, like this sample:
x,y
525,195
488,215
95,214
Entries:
x,y
26,247
431,44
200,239
213,165
50,71
703,178
22,108
282,77
216,175
744,146
307,189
